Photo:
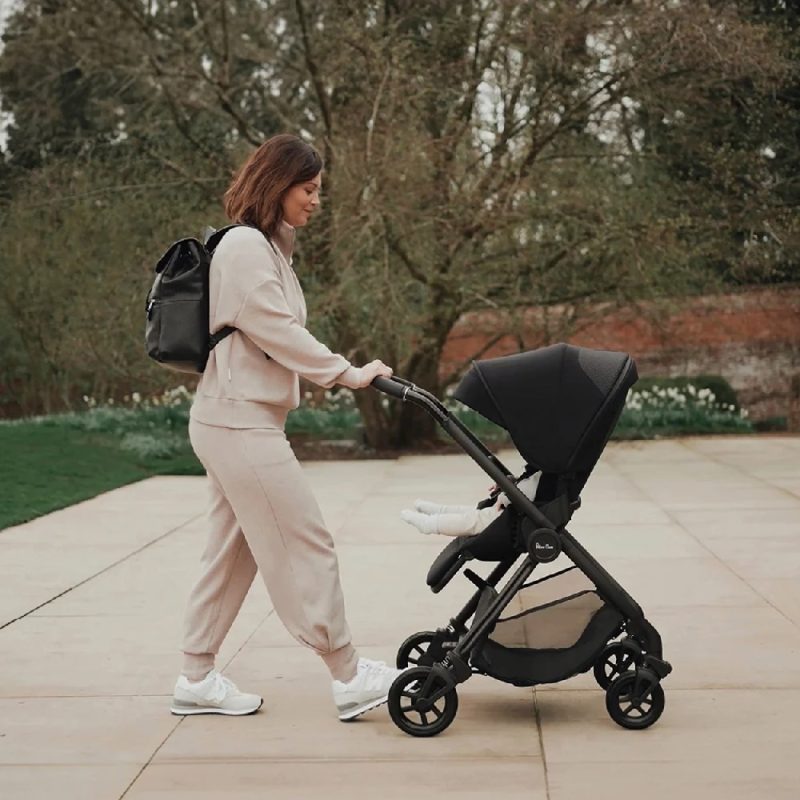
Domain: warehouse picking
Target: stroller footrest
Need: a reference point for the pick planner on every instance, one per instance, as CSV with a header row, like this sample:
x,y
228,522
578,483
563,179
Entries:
x,y
494,543
448,563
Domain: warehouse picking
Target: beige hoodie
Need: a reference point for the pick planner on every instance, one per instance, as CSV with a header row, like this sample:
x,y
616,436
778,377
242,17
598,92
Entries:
x,y
254,289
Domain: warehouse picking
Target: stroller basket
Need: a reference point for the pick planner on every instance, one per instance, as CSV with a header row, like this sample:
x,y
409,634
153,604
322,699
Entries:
x,y
496,542
561,630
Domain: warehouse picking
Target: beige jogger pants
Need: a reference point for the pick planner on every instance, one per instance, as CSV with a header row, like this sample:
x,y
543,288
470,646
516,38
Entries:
x,y
263,517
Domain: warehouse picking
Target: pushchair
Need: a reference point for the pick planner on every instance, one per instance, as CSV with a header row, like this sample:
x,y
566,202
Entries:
x,y
559,404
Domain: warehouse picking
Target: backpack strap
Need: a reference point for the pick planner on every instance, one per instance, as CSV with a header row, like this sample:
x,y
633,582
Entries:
x,y
215,237
212,237
215,338
211,242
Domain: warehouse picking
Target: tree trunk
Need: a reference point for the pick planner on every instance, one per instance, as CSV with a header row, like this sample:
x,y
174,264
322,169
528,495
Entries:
x,y
793,418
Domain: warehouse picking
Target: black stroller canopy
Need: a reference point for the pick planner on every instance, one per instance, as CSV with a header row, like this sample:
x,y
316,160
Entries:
x,y
559,403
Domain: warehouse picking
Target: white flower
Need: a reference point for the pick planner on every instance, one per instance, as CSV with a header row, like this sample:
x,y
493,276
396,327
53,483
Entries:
x,y
136,397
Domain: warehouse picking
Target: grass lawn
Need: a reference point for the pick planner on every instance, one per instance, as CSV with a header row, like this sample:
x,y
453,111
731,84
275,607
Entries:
x,y
51,462
47,467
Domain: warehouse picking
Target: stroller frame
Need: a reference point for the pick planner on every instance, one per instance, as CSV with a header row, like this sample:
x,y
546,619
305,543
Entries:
x,y
448,661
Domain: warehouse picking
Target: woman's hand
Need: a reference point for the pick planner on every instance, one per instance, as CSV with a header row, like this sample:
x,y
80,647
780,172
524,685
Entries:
x,y
359,377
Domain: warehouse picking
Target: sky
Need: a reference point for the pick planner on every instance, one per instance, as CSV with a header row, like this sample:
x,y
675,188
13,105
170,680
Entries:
x,y
6,6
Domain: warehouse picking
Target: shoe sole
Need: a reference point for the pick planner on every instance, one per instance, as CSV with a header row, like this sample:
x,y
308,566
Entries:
x,y
185,712
351,714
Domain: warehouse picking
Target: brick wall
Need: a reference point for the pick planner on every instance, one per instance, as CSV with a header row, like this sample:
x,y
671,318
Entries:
x,y
750,337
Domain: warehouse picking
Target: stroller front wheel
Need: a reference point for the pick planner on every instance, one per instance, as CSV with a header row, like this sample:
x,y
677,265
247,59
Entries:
x,y
423,701
635,699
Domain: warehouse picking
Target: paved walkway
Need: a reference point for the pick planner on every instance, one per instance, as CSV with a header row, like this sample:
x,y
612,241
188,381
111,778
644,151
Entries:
x,y
705,533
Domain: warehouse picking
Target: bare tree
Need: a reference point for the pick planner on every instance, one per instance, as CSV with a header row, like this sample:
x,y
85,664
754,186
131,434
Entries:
x,y
480,154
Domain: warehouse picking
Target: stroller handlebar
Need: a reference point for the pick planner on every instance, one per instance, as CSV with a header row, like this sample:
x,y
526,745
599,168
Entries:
x,y
396,387
406,390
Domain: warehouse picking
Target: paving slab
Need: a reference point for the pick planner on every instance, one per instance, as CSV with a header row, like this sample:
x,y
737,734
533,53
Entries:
x,y
66,781
494,722
473,778
703,532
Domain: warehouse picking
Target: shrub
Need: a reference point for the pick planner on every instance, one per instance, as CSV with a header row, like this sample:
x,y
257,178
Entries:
x,y
336,417
660,409
720,388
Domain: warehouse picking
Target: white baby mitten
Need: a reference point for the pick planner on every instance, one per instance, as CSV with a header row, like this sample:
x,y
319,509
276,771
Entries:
x,y
426,507
463,523
424,523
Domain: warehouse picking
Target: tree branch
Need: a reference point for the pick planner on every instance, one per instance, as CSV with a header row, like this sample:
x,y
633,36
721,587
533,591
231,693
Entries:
x,y
458,371
226,45
399,250
313,69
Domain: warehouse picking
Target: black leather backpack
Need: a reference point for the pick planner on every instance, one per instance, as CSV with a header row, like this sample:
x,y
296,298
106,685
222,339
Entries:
x,y
176,328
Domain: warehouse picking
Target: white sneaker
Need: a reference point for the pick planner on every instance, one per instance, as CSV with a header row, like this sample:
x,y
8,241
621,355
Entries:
x,y
215,694
369,689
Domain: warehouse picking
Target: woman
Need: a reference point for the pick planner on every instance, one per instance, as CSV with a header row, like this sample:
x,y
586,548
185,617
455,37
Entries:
x,y
263,516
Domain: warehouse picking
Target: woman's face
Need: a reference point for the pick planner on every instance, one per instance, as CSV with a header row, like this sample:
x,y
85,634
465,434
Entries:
x,y
301,201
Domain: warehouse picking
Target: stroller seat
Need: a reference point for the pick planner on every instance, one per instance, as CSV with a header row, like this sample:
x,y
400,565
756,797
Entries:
x,y
496,542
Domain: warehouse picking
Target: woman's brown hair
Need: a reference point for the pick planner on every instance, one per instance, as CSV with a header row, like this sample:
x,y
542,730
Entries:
x,y
254,197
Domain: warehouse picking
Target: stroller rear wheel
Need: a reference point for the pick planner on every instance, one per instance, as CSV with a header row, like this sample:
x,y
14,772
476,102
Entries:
x,y
423,649
635,699
423,701
616,658
414,650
